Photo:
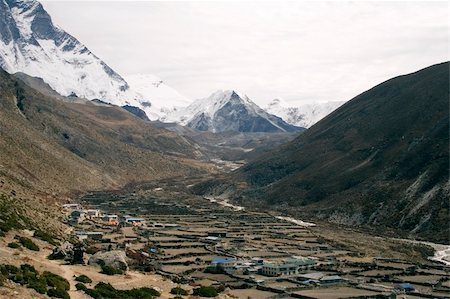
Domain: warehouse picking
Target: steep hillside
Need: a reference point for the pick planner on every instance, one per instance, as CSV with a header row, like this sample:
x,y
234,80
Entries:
x,y
382,159
56,146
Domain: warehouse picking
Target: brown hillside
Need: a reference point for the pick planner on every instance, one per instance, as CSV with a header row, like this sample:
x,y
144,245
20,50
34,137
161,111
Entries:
x,y
57,147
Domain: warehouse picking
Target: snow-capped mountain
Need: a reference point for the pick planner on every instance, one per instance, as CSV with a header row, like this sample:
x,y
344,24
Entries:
x,y
32,44
158,98
304,115
227,111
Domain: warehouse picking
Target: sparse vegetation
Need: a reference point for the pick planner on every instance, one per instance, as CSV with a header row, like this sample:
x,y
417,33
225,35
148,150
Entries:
x,y
48,283
9,218
44,236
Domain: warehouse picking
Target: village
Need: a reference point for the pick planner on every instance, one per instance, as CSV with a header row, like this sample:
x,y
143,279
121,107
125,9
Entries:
x,y
251,254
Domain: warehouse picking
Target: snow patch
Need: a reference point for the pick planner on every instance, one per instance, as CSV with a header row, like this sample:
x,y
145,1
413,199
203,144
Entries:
x,y
303,115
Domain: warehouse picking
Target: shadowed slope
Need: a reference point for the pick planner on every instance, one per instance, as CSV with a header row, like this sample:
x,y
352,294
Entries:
x,y
380,159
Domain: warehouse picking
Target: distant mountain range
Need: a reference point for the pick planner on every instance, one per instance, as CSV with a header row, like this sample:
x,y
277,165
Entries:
x,y
228,111
304,115
380,159
31,44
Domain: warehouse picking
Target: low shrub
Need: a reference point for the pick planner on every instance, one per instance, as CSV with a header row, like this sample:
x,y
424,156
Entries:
x,y
56,281
58,293
205,291
142,293
27,243
80,287
83,278
11,269
39,285
178,291
28,267
108,270
13,245
105,290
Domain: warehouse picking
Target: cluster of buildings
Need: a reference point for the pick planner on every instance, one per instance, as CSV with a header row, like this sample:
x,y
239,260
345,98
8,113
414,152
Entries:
x,y
285,267
78,215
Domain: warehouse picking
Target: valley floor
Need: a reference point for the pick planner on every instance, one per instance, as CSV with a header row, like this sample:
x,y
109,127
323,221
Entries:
x,y
189,238
189,232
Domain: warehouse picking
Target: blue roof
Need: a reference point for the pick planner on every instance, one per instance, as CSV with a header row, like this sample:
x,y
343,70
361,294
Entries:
x,y
406,285
222,261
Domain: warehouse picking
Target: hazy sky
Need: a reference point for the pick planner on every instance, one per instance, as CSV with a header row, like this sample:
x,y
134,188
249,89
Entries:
x,y
300,51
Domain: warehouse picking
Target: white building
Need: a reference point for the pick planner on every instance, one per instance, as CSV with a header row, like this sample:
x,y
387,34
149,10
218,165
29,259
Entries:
x,y
286,267
92,213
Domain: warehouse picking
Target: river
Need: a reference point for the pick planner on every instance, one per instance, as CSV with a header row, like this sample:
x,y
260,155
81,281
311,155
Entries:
x,y
226,203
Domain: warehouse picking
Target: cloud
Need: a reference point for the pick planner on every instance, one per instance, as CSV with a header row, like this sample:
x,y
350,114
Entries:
x,y
300,51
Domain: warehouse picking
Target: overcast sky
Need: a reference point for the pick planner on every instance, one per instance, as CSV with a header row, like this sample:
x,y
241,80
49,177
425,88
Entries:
x,y
300,51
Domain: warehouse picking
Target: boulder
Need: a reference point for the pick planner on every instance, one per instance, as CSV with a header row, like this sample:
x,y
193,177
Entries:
x,y
63,251
115,259
72,254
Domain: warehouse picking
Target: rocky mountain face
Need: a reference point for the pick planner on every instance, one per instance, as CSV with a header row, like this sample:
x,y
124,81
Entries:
x,y
32,44
304,115
228,111
380,160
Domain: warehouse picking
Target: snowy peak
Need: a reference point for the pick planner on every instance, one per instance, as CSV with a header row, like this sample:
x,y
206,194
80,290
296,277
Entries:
x,y
304,115
278,102
32,44
228,110
157,97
